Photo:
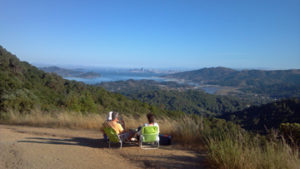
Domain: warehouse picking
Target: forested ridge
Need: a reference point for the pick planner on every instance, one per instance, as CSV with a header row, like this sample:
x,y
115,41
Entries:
x,y
174,96
24,87
267,116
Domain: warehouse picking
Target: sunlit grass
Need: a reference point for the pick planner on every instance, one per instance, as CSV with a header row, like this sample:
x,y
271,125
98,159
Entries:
x,y
228,146
55,119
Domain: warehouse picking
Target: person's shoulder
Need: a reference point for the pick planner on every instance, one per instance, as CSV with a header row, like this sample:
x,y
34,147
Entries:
x,y
155,124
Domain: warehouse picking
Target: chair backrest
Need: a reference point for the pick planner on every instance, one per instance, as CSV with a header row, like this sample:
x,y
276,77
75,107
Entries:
x,y
112,135
149,133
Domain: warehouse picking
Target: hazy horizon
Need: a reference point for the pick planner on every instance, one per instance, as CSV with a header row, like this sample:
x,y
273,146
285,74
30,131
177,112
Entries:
x,y
40,65
154,34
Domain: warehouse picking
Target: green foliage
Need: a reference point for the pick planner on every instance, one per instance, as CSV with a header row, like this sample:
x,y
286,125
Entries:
x,y
291,131
22,100
267,116
170,97
24,87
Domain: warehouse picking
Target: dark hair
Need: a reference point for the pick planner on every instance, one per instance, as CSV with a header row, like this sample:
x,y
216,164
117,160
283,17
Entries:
x,y
150,117
114,115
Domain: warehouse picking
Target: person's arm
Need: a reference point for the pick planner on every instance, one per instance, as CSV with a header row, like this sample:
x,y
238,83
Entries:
x,y
156,124
140,129
120,128
122,122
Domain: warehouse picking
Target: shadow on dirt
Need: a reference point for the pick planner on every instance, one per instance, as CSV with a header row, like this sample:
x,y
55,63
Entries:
x,y
171,161
74,141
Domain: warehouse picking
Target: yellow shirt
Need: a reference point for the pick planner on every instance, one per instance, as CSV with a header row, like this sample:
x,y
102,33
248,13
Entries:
x,y
115,125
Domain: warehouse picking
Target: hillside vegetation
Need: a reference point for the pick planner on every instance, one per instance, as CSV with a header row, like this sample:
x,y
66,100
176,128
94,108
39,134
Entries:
x,y
275,83
180,97
271,115
24,87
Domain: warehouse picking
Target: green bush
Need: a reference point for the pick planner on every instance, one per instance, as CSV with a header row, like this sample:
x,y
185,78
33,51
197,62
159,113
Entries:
x,y
291,131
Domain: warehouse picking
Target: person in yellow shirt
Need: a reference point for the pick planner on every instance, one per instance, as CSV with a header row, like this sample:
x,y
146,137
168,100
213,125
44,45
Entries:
x,y
115,124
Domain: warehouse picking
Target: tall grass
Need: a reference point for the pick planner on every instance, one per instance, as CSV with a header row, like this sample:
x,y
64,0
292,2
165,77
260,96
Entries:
x,y
251,153
76,120
228,146
54,119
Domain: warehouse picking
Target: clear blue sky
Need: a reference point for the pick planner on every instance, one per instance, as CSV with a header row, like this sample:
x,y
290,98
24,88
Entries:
x,y
154,33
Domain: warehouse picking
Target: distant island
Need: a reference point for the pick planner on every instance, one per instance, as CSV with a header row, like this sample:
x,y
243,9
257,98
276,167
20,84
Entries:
x,y
70,73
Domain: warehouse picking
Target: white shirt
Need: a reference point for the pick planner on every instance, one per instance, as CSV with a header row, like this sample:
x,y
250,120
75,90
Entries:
x,y
155,124
147,124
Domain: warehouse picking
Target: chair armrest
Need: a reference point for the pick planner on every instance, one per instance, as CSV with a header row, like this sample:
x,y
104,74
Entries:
x,y
123,134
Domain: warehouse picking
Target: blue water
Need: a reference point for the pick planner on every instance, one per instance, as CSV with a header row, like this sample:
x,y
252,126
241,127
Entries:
x,y
117,76
210,89
110,76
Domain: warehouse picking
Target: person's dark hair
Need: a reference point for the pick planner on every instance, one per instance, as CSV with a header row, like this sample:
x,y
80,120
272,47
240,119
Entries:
x,y
150,117
115,115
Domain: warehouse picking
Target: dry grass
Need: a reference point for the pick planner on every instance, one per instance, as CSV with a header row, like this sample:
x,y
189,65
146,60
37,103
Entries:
x,y
134,122
250,153
227,148
76,120
62,119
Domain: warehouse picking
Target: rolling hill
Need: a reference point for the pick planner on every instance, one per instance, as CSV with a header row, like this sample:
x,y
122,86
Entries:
x,y
275,83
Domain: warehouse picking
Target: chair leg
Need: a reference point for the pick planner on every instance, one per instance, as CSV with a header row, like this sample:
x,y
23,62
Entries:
x,y
140,143
109,144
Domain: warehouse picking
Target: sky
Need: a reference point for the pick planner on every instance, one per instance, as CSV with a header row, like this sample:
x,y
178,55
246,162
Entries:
x,y
153,33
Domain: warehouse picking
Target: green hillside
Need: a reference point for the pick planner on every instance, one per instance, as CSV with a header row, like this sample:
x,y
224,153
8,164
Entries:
x,y
24,87
276,83
174,96
271,115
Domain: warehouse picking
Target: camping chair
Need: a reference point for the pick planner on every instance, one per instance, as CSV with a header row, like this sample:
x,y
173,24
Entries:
x,y
149,135
112,136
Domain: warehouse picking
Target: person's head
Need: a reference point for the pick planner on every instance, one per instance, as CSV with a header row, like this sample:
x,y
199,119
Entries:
x,y
150,118
115,116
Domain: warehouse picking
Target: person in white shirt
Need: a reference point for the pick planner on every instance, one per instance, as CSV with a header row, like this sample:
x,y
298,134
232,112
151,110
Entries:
x,y
151,122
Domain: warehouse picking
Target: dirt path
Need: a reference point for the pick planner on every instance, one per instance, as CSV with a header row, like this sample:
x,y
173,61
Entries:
x,y
47,148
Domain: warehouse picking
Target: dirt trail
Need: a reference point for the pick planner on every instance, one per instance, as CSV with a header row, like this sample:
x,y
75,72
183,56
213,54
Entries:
x,y
47,148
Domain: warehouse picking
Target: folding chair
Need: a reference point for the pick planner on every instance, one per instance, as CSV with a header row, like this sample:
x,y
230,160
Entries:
x,y
149,135
112,136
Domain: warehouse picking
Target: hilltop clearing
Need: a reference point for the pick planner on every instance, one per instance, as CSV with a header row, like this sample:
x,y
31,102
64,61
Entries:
x,y
34,148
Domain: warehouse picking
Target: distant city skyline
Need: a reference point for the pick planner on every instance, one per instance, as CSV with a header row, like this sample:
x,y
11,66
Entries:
x,y
91,67
154,34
